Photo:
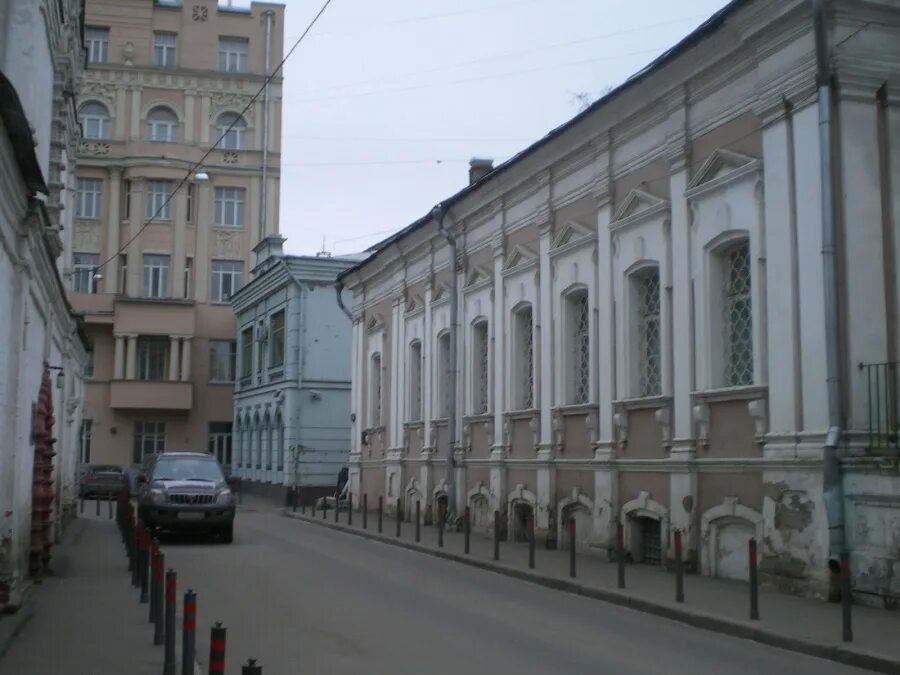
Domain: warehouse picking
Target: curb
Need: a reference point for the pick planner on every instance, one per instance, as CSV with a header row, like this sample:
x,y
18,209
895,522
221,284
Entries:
x,y
697,618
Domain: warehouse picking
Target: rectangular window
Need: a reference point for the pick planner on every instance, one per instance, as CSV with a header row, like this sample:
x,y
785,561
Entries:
x,y
164,49
149,439
219,441
126,199
89,364
276,340
226,279
96,44
415,381
189,203
578,344
648,342
156,275
246,352
188,278
83,267
123,272
152,358
222,355
233,54
524,360
738,317
480,365
375,391
159,204
229,207
84,444
87,198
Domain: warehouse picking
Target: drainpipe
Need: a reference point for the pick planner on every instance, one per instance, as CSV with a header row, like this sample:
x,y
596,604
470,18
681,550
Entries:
x,y
263,195
339,288
832,484
438,214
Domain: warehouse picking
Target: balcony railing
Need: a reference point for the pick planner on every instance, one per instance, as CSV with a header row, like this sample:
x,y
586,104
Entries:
x,y
883,411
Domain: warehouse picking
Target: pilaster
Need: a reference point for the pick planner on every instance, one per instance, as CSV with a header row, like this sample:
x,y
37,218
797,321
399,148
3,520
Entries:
x,y
111,269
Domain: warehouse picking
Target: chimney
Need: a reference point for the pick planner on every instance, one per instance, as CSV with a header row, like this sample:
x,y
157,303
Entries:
x,y
479,168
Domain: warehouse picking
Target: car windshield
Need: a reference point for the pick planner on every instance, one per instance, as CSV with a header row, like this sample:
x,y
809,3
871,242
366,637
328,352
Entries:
x,y
187,468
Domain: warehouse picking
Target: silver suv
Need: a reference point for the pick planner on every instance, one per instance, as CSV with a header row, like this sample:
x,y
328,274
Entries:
x,y
186,491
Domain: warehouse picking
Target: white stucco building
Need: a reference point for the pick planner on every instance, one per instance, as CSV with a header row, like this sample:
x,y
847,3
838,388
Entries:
x,y
42,345
642,314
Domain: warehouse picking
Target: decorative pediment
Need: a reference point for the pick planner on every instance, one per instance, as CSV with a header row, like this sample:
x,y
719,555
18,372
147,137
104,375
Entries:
x,y
720,165
439,292
374,323
477,275
414,302
638,204
520,255
571,231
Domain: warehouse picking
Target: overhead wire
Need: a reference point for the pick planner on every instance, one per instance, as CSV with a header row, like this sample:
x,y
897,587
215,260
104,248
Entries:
x,y
199,163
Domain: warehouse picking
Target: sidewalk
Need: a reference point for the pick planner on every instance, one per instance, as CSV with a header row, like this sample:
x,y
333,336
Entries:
x,y
799,624
86,619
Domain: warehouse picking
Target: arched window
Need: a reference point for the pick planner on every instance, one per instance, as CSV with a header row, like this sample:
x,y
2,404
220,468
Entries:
x,y
162,125
578,346
738,314
375,391
231,127
94,120
480,367
646,332
415,381
523,358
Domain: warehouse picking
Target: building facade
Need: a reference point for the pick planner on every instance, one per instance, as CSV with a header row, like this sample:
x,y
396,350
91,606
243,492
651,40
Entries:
x,y
43,347
166,82
292,397
642,315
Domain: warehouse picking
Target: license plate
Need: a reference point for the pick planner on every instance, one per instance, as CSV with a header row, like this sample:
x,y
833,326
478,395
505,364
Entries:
x,y
189,515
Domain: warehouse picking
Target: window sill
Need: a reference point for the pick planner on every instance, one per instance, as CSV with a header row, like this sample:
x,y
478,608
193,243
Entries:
x,y
417,424
642,403
747,393
524,414
480,417
575,409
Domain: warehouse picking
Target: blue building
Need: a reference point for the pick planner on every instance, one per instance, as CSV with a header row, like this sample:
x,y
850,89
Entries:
x,y
292,393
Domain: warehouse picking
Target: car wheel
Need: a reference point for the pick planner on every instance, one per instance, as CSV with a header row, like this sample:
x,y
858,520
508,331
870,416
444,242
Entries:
x,y
226,534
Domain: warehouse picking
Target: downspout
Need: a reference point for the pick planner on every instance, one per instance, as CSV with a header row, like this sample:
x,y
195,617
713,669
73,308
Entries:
x,y
833,490
264,189
438,214
339,289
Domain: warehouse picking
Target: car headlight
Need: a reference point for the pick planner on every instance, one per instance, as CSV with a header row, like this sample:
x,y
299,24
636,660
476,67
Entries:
x,y
224,497
158,496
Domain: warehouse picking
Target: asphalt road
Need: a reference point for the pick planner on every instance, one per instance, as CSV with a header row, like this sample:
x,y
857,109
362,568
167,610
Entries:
x,y
307,600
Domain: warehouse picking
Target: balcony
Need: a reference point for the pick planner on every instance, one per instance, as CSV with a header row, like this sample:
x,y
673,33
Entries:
x,y
151,395
883,405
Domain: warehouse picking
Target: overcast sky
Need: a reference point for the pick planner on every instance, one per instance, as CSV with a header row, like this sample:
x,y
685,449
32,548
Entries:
x,y
386,100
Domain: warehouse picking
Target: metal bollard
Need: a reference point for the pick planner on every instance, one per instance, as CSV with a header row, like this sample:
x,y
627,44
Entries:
x,y
846,599
679,569
466,529
572,547
620,555
217,650
144,573
153,556
380,512
531,542
399,516
251,668
349,509
337,504
418,513
496,535
441,518
159,570
294,499
324,508
169,654
109,508
365,510
754,582
135,545
189,633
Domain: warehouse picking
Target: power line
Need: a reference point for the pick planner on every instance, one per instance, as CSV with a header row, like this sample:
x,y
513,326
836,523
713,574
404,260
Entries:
x,y
162,207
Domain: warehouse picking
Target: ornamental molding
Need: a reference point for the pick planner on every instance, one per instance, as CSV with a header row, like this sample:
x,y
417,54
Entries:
x,y
100,91
86,236
226,244
94,148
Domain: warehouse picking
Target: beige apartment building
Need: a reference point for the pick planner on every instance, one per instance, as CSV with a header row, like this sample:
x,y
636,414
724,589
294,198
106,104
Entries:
x,y
164,81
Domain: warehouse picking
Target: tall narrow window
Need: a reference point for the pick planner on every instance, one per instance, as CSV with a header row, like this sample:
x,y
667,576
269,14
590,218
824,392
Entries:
x,y
246,353
649,366
84,450
149,439
221,360
96,44
126,199
578,346
375,391
159,205
87,198
162,125
164,49
231,127
188,278
233,54
83,267
480,366
738,319
189,203
226,279
523,359
276,340
152,358
219,441
123,273
229,207
89,366
442,376
94,120
156,275
415,381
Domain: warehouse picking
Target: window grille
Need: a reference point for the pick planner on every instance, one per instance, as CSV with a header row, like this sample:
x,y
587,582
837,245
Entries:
x,y
415,381
480,348
443,379
650,380
525,358
738,320
580,347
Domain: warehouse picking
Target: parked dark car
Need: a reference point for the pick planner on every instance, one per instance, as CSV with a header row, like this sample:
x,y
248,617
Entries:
x,y
186,491
103,480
